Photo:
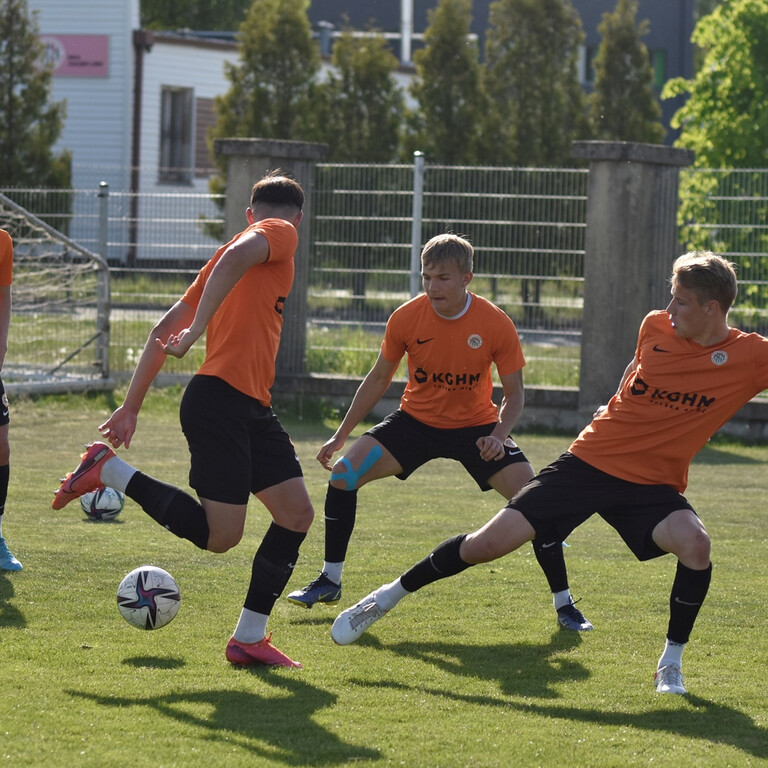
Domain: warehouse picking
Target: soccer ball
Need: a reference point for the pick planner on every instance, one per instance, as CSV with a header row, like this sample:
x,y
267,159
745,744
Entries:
x,y
148,597
105,504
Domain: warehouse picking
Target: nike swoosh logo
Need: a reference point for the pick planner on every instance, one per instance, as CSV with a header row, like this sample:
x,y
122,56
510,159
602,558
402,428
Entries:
x,y
424,341
5,412
549,544
683,602
657,348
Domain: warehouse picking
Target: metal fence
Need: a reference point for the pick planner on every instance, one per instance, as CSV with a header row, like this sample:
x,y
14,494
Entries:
x,y
369,222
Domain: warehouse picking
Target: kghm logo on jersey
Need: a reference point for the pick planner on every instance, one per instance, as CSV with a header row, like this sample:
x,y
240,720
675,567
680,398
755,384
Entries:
x,y
679,401
720,357
475,341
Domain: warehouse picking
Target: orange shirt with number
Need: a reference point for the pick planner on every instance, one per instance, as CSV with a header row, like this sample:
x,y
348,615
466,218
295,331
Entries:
x,y
243,336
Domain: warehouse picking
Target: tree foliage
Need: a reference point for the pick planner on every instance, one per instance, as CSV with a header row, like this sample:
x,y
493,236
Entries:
x,y
532,55
623,106
360,108
725,118
193,14
29,123
448,89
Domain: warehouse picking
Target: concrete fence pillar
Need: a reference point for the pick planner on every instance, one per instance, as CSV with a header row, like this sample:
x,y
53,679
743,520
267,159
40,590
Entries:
x,y
631,242
247,161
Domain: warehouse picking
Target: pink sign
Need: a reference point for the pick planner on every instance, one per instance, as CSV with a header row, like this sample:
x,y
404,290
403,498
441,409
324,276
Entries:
x,y
77,55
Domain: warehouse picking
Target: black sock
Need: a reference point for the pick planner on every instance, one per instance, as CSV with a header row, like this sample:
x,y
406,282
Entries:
x,y
272,567
549,555
5,472
688,592
340,513
443,561
179,512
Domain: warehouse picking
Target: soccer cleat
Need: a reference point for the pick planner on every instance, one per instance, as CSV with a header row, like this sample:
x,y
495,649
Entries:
x,y
7,560
262,652
87,477
321,590
350,624
570,617
669,679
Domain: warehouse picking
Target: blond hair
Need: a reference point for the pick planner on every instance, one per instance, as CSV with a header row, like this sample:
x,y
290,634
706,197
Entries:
x,y
708,275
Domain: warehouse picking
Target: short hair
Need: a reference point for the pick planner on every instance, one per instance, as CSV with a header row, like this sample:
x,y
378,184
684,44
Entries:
x,y
708,275
277,188
449,247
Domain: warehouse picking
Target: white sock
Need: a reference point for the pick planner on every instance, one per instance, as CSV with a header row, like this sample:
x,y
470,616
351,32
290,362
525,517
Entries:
x,y
561,599
673,654
116,473
389,595
333,571
251,626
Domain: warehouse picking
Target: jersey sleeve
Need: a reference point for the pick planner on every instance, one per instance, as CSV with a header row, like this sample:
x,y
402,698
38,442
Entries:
x,y
393,345
508,355
6,258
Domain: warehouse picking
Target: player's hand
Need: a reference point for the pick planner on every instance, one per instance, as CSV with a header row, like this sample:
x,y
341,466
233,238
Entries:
x,y
118,429
178,344
491,448
325,454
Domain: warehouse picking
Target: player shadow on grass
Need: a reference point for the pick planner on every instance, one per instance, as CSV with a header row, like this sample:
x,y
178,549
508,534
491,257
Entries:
x,y
10,615
280,725
521,669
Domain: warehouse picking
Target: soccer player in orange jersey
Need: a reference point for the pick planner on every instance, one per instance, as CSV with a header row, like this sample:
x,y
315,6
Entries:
x,y
237,445
8,561
452,339
691,372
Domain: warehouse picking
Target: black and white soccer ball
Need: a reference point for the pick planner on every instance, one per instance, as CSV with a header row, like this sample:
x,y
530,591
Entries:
x,y
105,504
148,597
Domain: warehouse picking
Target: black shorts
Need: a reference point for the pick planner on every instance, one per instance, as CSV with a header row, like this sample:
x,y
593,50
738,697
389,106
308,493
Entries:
x,y
5,417
413,444
237,445
569,491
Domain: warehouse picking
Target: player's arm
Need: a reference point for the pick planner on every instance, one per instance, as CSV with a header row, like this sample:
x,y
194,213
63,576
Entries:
x,y
247,251
628,371
121,425
5,320
492,446
370,391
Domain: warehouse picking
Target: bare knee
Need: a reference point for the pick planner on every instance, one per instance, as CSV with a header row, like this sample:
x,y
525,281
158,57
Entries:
x,y
222,541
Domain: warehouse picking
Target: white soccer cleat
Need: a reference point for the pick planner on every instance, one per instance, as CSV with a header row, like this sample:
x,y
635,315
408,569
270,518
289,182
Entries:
x,y
350,624
669,679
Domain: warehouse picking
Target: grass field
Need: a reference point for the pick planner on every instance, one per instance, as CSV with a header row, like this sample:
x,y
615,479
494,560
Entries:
x,y
468,672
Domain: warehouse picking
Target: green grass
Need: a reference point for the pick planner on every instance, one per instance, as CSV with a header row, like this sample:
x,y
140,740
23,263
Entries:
x,y
468,672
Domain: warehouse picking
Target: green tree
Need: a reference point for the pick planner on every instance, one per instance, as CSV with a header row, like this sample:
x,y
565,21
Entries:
x,y
532,55
361,111
448,89
193,14
273,94
29,123
725,121
623,106
725,118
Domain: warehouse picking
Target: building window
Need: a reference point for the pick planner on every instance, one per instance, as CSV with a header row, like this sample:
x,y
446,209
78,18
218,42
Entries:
x,y
176,138
659,66
205,121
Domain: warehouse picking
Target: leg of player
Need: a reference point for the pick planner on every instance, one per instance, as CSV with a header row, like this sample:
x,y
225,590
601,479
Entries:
x,y
289,504
8,561
506,531
549,554
365,461
683,534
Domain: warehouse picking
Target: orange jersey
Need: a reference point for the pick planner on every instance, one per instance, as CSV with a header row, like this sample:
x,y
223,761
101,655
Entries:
x,y
680,394
244,334
449,360
6,258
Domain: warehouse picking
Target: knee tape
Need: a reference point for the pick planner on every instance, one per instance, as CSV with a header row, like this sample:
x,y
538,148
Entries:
x,y
350,476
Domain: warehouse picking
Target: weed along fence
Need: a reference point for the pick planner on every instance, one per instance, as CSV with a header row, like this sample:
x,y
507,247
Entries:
x,y
575,256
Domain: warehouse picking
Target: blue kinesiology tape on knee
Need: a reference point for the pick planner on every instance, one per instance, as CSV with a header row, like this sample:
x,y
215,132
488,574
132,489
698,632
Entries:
x,y
350,477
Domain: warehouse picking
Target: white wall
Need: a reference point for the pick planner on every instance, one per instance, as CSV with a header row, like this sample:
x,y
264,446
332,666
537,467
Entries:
x,y
99,109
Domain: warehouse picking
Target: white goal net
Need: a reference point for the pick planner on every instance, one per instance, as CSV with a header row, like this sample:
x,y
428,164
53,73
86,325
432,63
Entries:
x,y
59,334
